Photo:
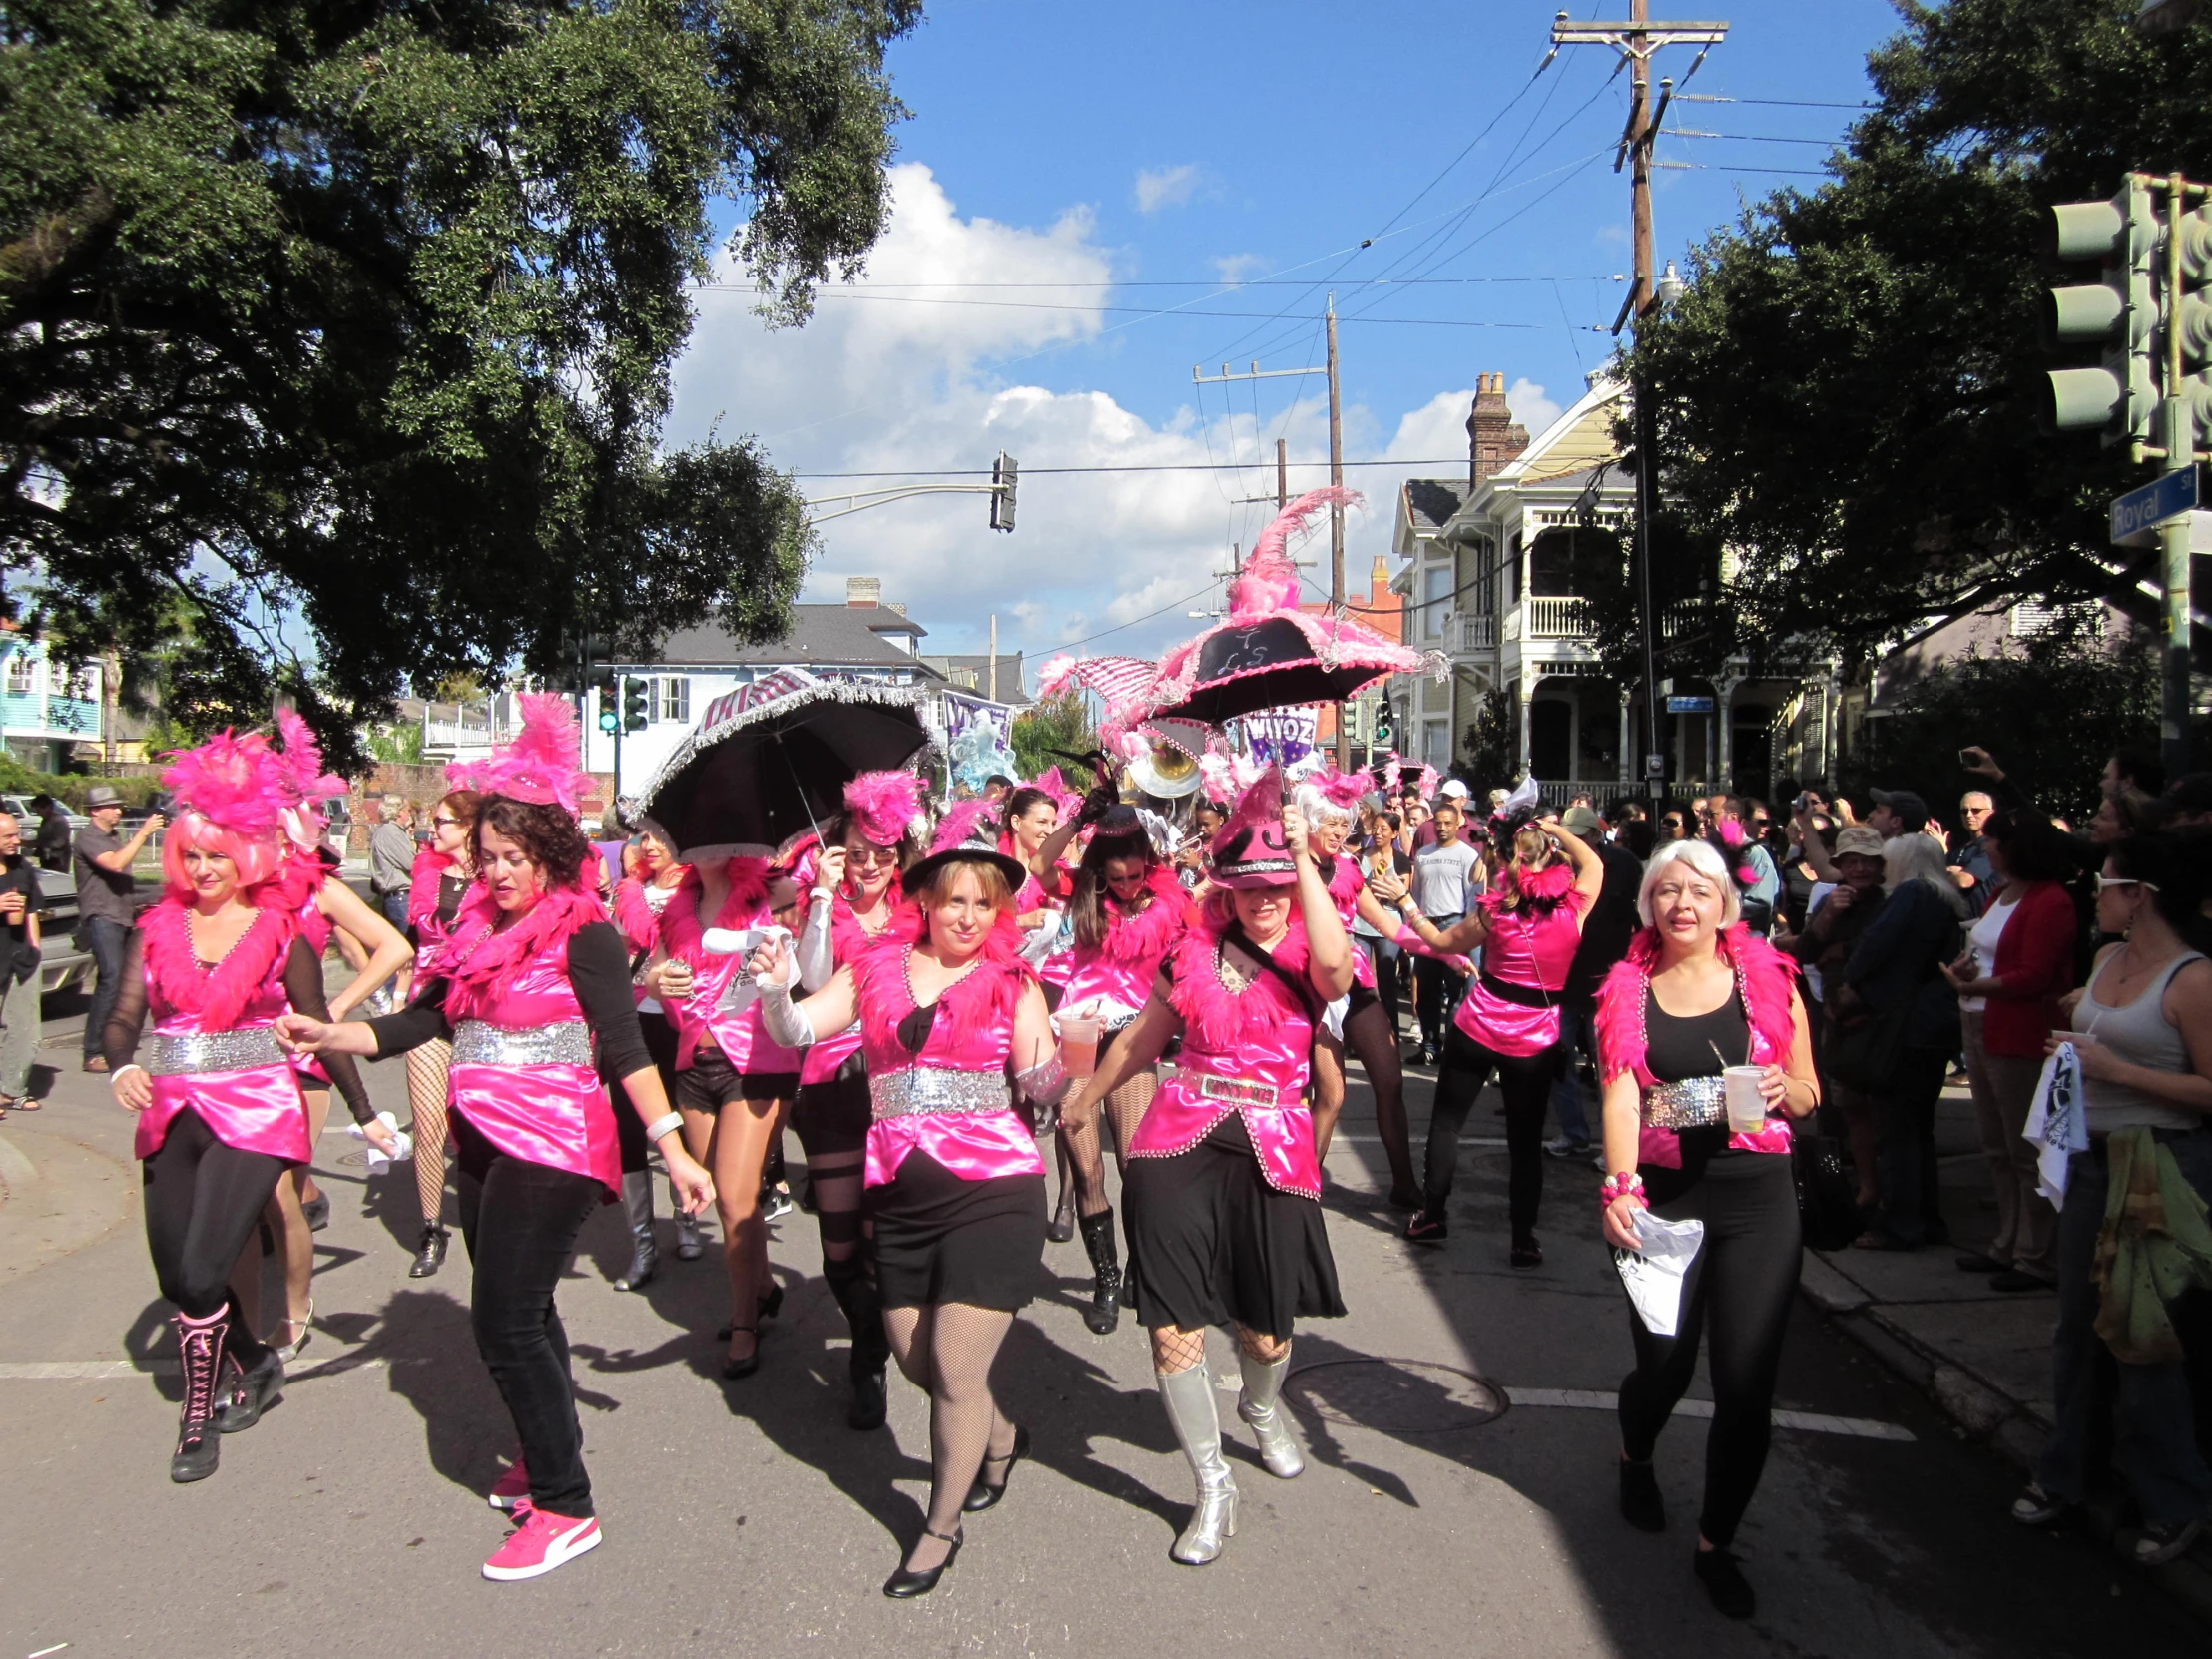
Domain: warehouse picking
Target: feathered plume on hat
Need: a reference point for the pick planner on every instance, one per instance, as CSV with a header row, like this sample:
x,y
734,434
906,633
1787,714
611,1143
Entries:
x,y
1267,583
1066,798
1425,781
1336,793
542,765
1393,770
886,805
237,783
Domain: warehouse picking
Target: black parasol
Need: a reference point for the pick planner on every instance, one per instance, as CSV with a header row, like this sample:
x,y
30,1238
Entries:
x,y
1243,669
771,758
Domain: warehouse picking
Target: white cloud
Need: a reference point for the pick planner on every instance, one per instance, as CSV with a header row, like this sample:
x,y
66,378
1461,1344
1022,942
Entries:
x,y
874,385
1236,268
1165,186
1530,407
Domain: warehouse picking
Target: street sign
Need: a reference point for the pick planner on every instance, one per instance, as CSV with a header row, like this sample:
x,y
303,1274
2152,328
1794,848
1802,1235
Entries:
x,y
1689,704
2137,514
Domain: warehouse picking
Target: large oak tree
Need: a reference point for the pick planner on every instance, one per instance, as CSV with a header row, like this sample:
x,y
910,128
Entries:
x,y
362,313
1847,393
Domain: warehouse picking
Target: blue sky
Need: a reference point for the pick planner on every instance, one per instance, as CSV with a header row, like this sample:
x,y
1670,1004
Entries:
x,y
1070,170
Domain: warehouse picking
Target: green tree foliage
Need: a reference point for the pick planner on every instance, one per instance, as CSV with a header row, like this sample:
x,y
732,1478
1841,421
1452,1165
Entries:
x,y
353,323
1048,730
2051,715
1846,393
396,744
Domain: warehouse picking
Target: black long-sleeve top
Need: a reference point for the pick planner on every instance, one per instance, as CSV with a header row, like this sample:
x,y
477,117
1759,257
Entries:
x,y
598,970
119,1038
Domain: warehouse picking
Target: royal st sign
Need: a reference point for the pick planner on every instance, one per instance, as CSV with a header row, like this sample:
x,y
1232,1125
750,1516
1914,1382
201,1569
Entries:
x,y
2137,515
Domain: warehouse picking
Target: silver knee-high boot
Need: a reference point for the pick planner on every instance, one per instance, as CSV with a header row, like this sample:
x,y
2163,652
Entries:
x,y
1262,1412
1189,1397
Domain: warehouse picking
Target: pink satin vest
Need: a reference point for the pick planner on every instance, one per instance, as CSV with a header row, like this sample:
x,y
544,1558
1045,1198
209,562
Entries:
x,y
952,1101
1264,1082
238,1080
1126,982
1529,951
742,1036
522,1072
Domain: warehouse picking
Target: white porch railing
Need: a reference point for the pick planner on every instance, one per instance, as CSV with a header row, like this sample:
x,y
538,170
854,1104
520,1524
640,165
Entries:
x,y
1466,633
1557,618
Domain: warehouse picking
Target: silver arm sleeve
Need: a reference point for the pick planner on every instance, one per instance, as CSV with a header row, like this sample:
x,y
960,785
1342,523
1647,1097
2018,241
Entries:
x,y
1047,1083
787,1022
818,957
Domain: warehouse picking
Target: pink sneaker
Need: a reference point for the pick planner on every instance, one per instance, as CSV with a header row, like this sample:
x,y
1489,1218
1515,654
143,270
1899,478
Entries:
x,y
542,1543
511,1490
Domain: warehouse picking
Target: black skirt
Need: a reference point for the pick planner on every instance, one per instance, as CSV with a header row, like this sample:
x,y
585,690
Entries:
x,y
833,1116
1211,1242
941,1239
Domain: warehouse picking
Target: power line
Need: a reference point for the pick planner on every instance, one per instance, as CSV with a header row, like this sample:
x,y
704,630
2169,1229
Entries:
x,y
1183,467
1070,645
1141,310
1772,103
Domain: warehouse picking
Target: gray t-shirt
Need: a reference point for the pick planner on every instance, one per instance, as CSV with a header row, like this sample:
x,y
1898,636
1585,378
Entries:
x,y
392,853
102,893
1443,878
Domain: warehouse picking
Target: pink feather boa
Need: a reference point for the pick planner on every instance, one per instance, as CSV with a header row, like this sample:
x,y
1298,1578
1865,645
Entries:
x,y
423,878
985,999
1541,891
214,997
634,915
682,935
473,958
1765,978
1224,1021
1146,936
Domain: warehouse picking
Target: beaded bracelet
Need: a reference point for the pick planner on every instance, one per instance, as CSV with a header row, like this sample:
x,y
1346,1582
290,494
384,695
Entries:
x,y
1630,1185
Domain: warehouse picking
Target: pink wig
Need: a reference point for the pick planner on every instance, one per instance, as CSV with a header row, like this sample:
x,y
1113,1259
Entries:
x,y
257,858
237,783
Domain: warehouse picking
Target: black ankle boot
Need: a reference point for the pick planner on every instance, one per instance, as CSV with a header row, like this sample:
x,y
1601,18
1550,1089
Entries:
x,y
1641,1505
1104,1313
198,1444
1061,1228
430,1254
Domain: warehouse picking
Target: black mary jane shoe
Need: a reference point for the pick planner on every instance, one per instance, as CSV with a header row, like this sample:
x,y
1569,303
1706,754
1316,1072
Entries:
x,y
770,1306
733,1369
1527,1253
1061,1228
251,1392
317,1211
905,1583
983,1496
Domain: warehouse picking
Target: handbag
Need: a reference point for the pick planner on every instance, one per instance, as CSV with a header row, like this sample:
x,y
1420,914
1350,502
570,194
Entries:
x,y
1827,1197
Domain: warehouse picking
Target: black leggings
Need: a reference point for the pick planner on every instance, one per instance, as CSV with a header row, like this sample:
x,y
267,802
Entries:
x,y
1741,1284
1526,1082
202,1202
521,1221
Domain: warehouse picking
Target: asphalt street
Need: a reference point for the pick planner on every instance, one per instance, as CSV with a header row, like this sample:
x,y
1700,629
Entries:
x,y
1460,1496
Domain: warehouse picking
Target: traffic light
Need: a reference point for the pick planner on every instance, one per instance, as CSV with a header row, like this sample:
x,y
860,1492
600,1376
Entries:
x,y
2192,317
609,721
1005,476
637,695
1385,735
2119,313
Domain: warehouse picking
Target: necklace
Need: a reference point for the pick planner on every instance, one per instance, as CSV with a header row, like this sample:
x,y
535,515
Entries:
x,y
2124,975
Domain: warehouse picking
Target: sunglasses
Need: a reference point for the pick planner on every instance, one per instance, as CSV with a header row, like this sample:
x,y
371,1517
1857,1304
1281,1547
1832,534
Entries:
x,y
445,821
871,854
2106,882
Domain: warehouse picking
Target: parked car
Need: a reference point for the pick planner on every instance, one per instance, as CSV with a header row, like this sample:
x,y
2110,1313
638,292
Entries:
x,y
26,816
62,966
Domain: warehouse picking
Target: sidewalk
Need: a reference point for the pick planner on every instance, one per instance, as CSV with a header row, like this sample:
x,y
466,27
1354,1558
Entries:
x,y
1982,1355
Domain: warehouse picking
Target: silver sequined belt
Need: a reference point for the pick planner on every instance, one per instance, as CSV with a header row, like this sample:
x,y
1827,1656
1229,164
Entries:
x,y
567,1044
1693,1103
932,1089
185,1051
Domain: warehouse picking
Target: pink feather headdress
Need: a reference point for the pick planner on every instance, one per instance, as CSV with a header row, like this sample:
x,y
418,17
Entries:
x,y
1053,783
237,783
885,804
1267,583
965,823
1337,793
543,763
309,785
1393,771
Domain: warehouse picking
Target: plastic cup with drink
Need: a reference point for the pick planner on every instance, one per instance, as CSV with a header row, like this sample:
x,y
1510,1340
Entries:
x,y
1079,1043
1747,1103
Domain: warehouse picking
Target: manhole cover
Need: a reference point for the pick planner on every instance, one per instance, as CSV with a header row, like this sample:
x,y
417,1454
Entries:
x,y
1398,1396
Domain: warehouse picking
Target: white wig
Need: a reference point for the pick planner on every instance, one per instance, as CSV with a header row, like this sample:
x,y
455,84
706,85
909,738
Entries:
x,y
1701,856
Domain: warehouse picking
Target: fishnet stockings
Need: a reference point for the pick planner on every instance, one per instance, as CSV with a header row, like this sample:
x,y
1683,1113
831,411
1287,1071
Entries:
x,y
1174,1349
426,1074
948,1348
1082,1136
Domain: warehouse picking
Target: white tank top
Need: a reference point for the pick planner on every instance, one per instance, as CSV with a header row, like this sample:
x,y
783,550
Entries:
x,y
2139,1033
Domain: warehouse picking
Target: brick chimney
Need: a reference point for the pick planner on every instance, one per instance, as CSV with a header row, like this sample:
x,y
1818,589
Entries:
x,y
865,593
1493,438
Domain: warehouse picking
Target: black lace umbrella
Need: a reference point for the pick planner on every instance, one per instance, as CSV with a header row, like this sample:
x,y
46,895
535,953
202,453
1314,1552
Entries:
x,y
771,758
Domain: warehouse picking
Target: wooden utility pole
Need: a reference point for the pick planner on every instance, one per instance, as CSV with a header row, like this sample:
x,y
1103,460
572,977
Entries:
x,y
1337,519
1638,40
1282,474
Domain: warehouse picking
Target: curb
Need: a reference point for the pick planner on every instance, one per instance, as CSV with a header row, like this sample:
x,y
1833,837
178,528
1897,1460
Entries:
x,y
1986,1416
